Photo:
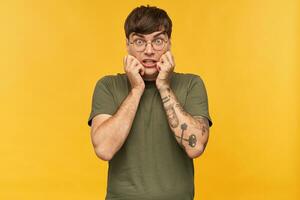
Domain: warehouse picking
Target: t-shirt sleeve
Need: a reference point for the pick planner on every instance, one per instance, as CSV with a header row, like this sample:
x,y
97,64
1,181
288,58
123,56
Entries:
x,y
197,102
102,101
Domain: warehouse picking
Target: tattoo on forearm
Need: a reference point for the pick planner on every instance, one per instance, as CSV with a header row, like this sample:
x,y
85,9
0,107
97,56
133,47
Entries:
x,y
166,99
202,124
181,109
183,128
192,140
172,117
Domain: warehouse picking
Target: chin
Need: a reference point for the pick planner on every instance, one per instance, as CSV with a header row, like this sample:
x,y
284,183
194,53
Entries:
x,y
150,74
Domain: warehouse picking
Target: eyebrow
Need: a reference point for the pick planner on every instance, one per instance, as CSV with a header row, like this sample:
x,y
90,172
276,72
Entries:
x,y
141,35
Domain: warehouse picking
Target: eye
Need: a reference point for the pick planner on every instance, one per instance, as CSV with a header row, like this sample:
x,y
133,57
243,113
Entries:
x,y
158,41
139,42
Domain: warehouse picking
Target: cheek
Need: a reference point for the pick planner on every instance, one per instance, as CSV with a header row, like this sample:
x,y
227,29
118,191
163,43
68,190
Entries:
x,y
132,53
129,51
168,47
162,53
136,55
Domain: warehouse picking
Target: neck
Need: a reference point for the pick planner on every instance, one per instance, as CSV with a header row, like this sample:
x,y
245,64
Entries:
x,y
149,78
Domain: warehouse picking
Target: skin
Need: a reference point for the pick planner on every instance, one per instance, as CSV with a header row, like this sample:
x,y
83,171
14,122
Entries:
x,y
109,132
191,132
149,53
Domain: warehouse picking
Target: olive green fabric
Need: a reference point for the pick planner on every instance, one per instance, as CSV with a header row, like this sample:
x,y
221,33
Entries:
x,y
150,165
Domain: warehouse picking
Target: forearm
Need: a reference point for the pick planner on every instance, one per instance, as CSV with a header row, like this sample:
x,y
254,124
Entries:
x,y
109,137
190,132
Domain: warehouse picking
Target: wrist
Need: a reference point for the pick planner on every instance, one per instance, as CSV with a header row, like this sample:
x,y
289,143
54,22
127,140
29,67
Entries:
x,y
137,91
163,87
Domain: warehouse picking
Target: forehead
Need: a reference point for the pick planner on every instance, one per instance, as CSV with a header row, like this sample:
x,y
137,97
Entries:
x,y
148,36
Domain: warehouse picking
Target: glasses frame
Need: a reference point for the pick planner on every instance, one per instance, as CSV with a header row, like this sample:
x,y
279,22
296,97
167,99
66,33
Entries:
x,y
165,41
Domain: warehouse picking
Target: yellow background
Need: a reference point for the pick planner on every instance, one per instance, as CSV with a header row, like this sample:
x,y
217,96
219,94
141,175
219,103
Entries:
x,y
53,52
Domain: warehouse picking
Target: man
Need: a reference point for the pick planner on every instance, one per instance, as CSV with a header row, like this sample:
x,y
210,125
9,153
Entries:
x,y
149,122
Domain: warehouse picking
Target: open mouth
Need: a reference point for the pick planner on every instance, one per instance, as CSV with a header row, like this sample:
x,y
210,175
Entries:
x,y
149,62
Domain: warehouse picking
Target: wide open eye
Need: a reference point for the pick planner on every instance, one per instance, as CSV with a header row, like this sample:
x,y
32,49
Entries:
x,y
139,42
158,42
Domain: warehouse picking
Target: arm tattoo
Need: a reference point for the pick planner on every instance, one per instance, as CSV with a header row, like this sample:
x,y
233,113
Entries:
x,y
183,128
181,109
192,138
202,123
172,117
174,121
166,99
170,111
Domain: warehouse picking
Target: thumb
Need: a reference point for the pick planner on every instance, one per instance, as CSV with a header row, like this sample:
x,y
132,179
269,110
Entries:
x,y
141,69
158,66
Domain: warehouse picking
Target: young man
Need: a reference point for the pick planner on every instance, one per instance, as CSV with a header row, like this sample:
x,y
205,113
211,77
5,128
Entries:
x,y
149,122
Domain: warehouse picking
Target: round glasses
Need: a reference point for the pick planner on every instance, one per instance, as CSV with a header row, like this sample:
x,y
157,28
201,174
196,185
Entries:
x,y
140,44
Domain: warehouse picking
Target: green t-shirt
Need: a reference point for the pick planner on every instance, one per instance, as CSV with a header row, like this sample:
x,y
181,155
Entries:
x,y
150,165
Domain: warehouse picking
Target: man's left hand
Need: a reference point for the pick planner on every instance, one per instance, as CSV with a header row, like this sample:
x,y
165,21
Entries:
x,y
165,67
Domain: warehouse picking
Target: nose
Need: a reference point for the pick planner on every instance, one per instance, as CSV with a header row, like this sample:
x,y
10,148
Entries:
x,y
149,49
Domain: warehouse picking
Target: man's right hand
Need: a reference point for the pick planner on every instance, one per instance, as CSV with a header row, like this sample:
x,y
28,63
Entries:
x,y
134,70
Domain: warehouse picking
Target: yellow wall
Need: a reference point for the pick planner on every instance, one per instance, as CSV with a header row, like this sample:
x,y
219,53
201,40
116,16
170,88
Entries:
x,y
53,52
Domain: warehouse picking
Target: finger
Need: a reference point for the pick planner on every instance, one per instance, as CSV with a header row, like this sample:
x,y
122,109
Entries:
x,y
128,62
140,69
131,63
170,58
130,59
165,60
125,61
160,66
163,63
137,67
134,63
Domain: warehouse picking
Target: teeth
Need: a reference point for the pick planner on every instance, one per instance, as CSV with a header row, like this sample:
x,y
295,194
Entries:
x,y
149,61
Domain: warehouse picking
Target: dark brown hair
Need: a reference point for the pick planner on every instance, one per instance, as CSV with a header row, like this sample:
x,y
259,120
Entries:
x,y
146,20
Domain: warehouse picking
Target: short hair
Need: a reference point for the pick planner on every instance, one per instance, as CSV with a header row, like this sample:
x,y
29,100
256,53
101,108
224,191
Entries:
x,y
146,20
